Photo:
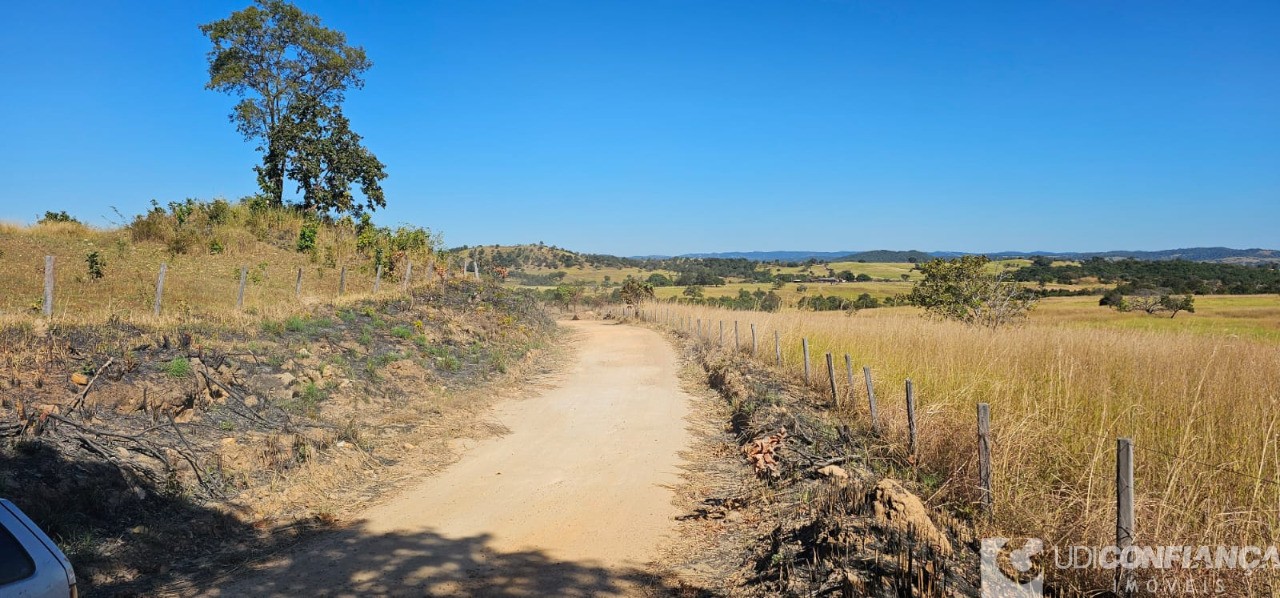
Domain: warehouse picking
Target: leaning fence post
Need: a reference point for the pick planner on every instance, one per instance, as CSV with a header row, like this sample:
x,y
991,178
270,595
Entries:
x,y
377,278
1124,509
804,346
297,286
244,277
159,289
722,333
753,340
48,286
699,328
736,345
871,398
911,423
831,375
342,281
984,455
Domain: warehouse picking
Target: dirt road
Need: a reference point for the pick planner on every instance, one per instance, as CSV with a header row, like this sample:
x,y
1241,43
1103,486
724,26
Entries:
x,y
572,502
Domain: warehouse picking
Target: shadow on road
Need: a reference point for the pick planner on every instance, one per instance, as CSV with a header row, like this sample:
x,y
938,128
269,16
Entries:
x,y
351,562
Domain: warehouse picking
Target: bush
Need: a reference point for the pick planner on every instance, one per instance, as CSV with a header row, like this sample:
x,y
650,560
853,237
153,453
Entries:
x,y
60,216
307,236
95,264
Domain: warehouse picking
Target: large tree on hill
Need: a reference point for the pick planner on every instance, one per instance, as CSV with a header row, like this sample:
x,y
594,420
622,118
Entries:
x,y
291,74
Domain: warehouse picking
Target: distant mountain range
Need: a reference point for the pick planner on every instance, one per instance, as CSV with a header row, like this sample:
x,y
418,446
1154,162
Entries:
x,y
1194,254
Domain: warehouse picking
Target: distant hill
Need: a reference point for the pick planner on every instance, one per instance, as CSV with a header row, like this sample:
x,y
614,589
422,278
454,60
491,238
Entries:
x,y
772,256
1224,255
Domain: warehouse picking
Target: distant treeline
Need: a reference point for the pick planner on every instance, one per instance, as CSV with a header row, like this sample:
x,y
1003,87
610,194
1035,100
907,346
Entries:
x,y
1178,276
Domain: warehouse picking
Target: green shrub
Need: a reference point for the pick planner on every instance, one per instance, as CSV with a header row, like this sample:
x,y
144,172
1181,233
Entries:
x,y
95,264
60,216
402,332
178,367
307,236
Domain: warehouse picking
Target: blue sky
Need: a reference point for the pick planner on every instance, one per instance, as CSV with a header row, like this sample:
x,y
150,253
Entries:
x,y
677,126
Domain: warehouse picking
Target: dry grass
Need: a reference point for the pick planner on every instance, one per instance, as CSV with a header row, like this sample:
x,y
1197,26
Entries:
x,y
198,285
1202,411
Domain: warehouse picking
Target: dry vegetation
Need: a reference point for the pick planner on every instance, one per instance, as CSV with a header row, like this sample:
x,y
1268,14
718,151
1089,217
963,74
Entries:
x,y
1202,410
164,449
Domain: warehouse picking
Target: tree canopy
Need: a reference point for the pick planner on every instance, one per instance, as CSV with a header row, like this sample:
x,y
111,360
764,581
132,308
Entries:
x,y
292,74
963,290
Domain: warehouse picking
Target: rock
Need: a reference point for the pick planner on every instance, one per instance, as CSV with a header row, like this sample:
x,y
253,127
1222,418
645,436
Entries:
x,y
47,408
79,379
229,441
289,365
304,353
409,446
834,472
185,416
314,376
894,507
342,444
251,401
328,371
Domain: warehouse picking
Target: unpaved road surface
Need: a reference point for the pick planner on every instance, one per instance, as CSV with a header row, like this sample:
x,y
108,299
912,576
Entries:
x,y
574,501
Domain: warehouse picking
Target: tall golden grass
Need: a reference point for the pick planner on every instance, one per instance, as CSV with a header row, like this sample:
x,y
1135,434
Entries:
x,y
1202,411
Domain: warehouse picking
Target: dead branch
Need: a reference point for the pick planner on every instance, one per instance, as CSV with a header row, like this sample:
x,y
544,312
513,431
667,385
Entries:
x,y
84,393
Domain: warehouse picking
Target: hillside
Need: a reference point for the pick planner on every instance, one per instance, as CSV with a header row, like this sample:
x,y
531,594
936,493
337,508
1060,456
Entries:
x,y
1194,254
155,449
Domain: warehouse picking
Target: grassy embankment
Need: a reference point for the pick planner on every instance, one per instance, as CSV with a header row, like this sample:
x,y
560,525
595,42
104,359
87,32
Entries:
x,y
1199,395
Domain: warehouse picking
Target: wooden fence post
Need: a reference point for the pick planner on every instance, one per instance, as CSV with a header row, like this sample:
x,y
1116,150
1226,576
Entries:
x,y
1124,510
871,398
244,277
831,375
297,286
777,347
342,281
699,328
48,286
159,289
377,278
408,274
911,423
736,345
984,455
753,341
804,346
722,333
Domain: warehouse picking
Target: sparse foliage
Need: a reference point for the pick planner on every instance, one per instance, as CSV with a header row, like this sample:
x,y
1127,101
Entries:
x,y
963,290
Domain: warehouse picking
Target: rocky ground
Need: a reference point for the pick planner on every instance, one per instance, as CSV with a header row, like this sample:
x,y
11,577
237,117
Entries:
x,y
155,456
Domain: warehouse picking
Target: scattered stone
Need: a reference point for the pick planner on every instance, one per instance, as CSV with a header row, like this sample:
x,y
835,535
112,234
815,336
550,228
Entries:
x,y
185,416
79,379
895,507
251,401
229,441
409,446
834,472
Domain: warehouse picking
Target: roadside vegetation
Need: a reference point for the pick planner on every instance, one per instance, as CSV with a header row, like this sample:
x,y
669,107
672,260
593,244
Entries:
x,y
1200,407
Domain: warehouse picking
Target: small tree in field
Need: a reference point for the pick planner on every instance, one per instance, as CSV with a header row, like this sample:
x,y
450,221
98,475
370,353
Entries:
x,y
634,291
962,289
